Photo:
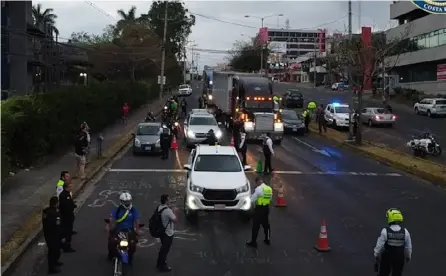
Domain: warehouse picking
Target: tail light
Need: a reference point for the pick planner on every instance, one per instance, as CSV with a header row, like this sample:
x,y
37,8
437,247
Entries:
x,y
393,117
376,117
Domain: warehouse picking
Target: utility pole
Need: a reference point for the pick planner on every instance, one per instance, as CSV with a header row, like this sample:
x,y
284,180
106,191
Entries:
x,y
261,53
184,65
314,67
163,55
349,69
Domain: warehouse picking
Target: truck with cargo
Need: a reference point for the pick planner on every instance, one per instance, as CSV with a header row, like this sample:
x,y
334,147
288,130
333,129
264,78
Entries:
x,y
246,98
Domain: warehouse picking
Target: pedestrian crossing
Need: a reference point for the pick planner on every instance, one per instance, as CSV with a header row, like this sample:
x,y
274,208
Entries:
x,y
334,173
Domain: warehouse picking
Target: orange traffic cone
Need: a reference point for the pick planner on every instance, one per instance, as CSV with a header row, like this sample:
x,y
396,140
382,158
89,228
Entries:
x,y
322,241
280,200
232,142
174,144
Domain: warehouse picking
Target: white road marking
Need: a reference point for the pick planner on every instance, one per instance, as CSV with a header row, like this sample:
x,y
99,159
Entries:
x,y
323,152
275,172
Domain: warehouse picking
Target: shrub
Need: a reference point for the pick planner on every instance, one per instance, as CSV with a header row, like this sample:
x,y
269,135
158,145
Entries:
x,y
37,125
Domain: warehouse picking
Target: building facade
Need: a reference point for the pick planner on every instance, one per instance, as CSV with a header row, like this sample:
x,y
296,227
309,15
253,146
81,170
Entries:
x,y
419,66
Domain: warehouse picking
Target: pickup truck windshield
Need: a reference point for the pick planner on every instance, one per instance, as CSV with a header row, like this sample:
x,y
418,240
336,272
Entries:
x,y
203,121
342,109
148,130
217,163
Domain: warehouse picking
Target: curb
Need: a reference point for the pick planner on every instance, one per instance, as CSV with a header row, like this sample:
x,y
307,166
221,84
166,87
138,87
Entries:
x,y
23,237
433,177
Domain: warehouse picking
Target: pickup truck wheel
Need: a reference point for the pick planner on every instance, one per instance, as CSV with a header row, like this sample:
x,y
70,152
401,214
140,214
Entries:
x,y
429,114
370,123
417,111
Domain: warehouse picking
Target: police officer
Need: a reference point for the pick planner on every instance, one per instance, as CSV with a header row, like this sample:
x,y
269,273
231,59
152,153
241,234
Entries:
x,y
242,146
200,102
211,139
64,177
52,232
268,151
394,246
307,119
262,198
184,107
320,118
67,207
165,142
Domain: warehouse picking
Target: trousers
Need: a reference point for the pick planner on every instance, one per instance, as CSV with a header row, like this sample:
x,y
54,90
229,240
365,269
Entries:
x,y
166,243
260,218
67,226
391,266
268,167
53,253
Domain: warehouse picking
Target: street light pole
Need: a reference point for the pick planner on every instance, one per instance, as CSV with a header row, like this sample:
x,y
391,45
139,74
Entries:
x,y
349,73
261,51
163,55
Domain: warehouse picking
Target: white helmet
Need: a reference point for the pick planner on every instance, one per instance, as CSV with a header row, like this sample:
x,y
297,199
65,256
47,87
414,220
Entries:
x,y
126,200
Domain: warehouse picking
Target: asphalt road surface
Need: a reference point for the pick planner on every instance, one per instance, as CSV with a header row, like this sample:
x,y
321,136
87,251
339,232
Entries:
x,y
321,181
407,123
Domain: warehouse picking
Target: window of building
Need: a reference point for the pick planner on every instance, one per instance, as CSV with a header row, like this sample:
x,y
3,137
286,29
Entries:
x,y
442,37
433,39
422,42
304,35
293,34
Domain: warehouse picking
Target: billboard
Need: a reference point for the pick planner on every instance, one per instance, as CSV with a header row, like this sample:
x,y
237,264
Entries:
x,y
366,39
277,47
262,38
441,72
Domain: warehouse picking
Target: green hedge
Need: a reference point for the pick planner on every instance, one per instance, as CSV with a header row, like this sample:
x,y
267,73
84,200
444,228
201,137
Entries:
x,y
37,125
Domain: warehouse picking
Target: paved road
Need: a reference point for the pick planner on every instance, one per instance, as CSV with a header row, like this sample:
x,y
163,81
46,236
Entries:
x,y
408,123
352,193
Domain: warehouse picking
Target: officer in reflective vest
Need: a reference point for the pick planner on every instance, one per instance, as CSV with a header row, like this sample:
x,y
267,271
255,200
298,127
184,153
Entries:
x,y
307,119
394,246
261,197
64,177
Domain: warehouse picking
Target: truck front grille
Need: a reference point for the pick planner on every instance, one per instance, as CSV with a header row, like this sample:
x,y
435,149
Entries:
x,y
210,194
264,122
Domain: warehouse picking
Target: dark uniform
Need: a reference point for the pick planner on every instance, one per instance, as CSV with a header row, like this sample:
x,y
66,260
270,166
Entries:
x,y
243,147
322,123
267,153
165,143
237,127
307,119
262,197
67,207
51,222
184,107
211,140
200,102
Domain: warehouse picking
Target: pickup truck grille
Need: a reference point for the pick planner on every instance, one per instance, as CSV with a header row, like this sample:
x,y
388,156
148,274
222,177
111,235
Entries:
x,y
200,135
264,122
210,194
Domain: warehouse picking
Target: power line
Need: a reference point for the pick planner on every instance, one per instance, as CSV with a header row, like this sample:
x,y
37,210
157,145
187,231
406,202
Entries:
x,y
100,10
222,21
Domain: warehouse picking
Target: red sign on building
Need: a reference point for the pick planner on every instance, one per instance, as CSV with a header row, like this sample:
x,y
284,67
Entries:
x,y
441,72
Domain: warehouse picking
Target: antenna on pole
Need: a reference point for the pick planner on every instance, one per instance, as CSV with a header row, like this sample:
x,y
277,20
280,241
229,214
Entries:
x,y
287,24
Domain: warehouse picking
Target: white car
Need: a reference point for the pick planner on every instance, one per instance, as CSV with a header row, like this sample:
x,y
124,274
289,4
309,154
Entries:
x,y
337,115
216,181
184,90
197,125
431,107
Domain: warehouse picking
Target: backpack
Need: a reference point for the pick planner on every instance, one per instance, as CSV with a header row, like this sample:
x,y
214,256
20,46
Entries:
x,y
156,226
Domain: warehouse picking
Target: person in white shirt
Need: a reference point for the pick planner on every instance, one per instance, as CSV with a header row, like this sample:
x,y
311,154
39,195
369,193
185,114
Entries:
x,y
243,147
394,246
268,151
168,219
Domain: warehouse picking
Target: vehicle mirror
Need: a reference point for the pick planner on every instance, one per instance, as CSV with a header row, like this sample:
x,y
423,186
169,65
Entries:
x,y
141,225
107,220
187,167
247,168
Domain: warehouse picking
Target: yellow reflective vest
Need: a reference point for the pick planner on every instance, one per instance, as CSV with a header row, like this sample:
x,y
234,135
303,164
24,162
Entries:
x,y
267,196
60,183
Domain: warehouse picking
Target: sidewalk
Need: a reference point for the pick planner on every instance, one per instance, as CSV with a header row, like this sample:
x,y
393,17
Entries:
x,y
28,191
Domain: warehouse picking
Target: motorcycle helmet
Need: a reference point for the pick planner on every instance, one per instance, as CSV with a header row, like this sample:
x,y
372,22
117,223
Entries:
x,y
126,200
394,215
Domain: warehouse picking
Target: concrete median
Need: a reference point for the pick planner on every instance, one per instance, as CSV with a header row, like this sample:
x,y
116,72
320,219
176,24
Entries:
x,y
13,248
423,168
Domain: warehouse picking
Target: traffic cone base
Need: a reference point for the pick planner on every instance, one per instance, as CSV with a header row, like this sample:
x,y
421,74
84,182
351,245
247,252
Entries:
x,y
174,144
259,168
322,241
280,200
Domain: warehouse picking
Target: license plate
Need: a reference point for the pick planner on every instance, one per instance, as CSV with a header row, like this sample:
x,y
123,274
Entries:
x,y
148,148
219,206
294,128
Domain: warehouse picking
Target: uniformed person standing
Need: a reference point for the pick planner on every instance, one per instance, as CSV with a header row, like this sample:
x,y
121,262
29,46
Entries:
x,y
64,177
200,102
67,207
307,119
268,151
242,146
53,234
394,246
261,198
211,139
165,142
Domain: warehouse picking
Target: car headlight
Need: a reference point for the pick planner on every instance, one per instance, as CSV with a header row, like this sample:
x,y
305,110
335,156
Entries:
x,y
210,97
218,134
124,243
194,188
278,126
165,107
249,125
190,133
137,142
243,189
175,124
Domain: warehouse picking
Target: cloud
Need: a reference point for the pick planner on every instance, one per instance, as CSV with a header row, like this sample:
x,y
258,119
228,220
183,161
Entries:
x,y
212,34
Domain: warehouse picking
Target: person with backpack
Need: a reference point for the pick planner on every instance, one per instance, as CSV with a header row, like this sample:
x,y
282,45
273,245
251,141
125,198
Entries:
x,y
126,218
161,225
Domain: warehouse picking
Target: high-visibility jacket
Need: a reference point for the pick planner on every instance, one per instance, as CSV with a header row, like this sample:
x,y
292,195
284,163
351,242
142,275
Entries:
x,y
312,105
59,187
267,196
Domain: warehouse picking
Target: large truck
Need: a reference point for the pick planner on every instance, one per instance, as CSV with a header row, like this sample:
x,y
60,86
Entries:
x,y
247,99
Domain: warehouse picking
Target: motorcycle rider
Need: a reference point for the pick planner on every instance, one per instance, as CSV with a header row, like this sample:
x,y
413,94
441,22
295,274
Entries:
x,y
126,218
165,140
211,139
150,117
184,107
173,106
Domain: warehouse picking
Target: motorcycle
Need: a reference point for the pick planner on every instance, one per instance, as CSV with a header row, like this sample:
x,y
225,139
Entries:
x,y
425,145
122,258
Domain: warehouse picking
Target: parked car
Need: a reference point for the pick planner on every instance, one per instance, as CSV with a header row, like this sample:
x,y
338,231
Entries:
x,y
431,107
337,114
184,90
292,122
147,138
292,99
377,116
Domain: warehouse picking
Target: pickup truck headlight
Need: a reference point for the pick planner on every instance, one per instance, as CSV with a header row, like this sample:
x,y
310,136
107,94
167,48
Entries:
x,y
210,97
194,188
165,107
137,142
243,189
190,134
175,124
218,134
278,126
249,125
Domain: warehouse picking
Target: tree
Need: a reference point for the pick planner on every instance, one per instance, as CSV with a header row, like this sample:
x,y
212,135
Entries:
x,y
179,23
45,17
246,57
360,63
89,39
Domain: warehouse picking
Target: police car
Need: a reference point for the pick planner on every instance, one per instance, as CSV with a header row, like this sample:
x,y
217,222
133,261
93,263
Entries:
x,y
337,114
216,181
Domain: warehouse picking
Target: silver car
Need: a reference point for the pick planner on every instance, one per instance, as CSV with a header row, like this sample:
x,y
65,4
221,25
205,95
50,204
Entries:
x,y
147,138
377,116
196,127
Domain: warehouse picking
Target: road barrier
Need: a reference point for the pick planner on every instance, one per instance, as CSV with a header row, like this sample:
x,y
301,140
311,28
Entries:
x,y
423,168
29,231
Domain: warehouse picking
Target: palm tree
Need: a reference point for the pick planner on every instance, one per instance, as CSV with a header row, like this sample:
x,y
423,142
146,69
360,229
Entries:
x,y
127,19
45,17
